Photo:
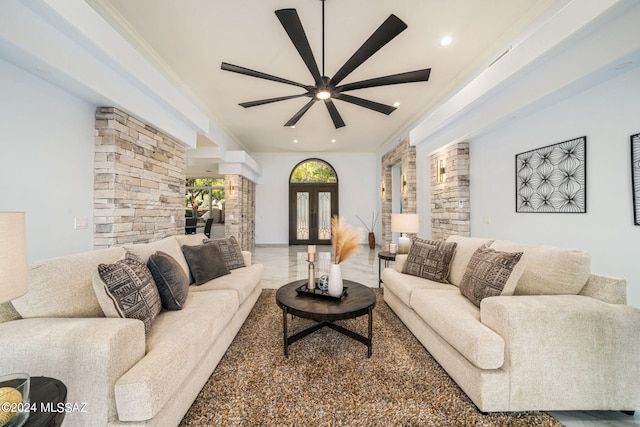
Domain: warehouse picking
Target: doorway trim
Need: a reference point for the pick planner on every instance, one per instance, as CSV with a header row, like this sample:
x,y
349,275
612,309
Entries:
x,y
314,188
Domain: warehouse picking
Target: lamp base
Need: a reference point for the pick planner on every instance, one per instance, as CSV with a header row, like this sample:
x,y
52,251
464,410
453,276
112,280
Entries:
x,y
404,243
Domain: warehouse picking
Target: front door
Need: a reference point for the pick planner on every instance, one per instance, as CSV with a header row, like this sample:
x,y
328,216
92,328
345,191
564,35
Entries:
x,y
311,207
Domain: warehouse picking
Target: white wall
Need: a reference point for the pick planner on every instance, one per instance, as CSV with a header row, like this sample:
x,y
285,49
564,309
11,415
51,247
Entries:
x,y
46,162
357,192
607,114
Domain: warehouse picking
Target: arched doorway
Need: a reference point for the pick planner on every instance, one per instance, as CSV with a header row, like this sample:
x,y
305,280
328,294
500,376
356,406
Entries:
x,y
313,200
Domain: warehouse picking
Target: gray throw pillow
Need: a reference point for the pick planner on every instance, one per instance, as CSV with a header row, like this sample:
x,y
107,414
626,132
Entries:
x,y
130,286
491,273
231,251
205,262
172,282
429,259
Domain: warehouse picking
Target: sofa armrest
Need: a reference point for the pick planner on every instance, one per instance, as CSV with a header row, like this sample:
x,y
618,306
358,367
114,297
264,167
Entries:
x,y
247,258
555,343
400,260
87,354
607,289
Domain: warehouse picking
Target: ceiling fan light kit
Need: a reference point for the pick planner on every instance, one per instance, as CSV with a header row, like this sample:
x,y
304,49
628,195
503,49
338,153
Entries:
x,y
327,89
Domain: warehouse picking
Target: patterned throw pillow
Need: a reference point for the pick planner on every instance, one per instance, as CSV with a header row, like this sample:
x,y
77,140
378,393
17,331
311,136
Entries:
x,y
429,259
491,273
231,251
130,287
170,279
205,262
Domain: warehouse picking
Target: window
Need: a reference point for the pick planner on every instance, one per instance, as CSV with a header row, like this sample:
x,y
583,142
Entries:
x,y
313,171
204,199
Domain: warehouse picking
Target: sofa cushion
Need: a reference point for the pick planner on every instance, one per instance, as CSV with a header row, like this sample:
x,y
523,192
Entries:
x,y
429,259
241,280
176,345
230,250
491,273
170,279
402,285
168,245
126,289
61,287
457,321
205,262
466,246
549,270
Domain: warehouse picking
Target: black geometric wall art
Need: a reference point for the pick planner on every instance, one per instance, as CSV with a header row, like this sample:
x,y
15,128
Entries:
x,y
553,179
635,176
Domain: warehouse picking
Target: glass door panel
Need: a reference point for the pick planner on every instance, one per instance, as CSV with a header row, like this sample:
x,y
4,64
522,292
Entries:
x,y
324,215
302,216
311,207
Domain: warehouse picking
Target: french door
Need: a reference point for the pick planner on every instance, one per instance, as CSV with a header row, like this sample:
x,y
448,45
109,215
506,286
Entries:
x,y
311,207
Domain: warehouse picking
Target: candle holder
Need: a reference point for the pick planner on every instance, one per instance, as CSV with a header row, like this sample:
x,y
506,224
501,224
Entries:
x,y
312,272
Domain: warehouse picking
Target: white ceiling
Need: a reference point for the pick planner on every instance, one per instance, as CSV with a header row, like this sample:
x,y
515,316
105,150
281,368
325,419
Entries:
x,y
189,39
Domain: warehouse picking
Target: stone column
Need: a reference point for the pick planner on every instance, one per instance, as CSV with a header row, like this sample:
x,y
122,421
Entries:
x,y
450,199
405,154
240,210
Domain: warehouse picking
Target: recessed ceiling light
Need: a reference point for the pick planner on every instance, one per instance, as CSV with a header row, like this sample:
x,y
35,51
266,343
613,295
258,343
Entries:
x,y
295,141
292,127
333,141
446,41
396,104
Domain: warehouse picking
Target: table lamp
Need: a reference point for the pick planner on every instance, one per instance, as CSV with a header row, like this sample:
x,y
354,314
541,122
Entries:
x,y
404,223
13,256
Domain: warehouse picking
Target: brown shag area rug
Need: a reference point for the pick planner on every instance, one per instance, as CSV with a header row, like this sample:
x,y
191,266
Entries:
x,y
327,380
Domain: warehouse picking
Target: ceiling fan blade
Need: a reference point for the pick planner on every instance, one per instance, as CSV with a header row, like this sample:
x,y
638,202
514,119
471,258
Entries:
x,y
408,77
293,26
335,115
372,105
248,72
270,100
386,32
293,120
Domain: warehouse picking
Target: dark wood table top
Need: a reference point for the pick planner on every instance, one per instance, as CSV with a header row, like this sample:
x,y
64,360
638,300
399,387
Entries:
x,y
387,255
49,395
356,303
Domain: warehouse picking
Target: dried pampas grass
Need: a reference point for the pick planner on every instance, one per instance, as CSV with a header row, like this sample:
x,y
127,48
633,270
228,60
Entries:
x,y
344,240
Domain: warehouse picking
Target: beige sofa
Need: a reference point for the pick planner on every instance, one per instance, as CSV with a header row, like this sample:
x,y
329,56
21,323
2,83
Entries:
x,y
125,378
564,341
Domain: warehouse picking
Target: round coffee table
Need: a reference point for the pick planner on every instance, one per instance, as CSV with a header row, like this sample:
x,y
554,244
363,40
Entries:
x,y
359,301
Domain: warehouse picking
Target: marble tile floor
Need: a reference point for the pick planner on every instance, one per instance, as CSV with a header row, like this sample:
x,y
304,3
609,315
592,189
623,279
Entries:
x,y
284,264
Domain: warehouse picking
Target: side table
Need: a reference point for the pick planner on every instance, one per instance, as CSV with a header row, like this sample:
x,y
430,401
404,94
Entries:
x,y
49,396
386,256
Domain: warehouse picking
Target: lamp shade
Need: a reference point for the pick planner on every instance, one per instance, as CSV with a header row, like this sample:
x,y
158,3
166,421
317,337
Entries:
x,y
405,223
13,256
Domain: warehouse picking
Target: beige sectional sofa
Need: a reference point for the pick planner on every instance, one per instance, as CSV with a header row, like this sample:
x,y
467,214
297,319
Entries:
x,y
58,329
565,340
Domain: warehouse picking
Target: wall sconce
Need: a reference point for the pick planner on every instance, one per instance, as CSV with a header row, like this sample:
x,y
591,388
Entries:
x,y
440,170
382,189
403,183
231,189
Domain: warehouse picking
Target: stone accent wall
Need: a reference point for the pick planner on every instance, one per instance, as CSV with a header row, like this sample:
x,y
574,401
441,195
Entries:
x,y
240,210
405,154
139,182
448,216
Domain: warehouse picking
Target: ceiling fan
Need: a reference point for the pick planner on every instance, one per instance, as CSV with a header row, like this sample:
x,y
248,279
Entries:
x,y
327,89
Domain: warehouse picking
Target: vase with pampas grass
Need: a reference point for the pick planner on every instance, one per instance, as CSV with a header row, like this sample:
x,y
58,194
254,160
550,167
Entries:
x,y
344,244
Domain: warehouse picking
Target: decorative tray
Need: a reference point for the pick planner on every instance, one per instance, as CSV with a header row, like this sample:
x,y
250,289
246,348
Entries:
x,y
317,293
